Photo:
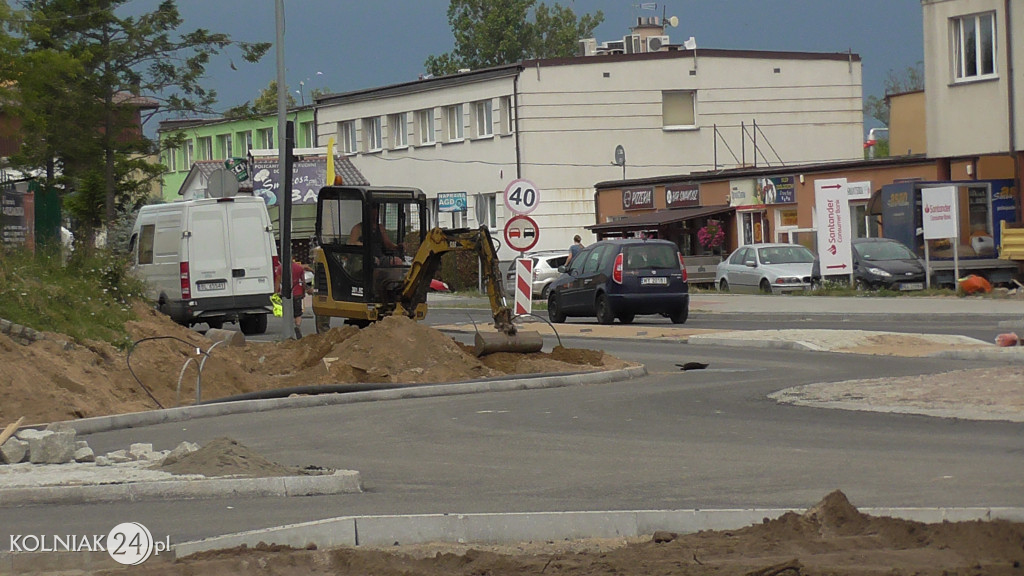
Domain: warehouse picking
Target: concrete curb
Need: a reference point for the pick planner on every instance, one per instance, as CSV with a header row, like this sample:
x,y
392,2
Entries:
x,y
713,340
341,482
137,419
532,526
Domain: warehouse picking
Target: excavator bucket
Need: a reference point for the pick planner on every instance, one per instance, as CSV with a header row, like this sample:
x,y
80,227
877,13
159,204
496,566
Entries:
x,y
521,342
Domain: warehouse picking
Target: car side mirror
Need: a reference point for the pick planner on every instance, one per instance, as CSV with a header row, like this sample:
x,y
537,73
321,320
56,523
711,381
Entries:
x,y
562,269
750,264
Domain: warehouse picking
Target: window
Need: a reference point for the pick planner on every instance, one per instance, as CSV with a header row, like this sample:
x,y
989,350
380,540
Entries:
x,y
491,202
146,236
399,130
189,154
482,119
245,138
974,46
206,148
265,138
371,134
453,116
425,126
172,159
506,115
306,137
225,145
678,109
348,137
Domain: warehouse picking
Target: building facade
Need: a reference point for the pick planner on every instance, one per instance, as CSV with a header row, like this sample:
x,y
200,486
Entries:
x,y
558,123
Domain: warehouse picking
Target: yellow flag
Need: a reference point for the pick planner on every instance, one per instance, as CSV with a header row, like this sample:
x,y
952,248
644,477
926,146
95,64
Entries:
x,y
330,162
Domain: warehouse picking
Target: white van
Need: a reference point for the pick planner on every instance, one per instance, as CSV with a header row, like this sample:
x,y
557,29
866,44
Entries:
x,y
209,260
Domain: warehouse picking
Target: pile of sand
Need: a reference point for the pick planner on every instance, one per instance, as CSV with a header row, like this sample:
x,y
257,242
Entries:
x,y
51,380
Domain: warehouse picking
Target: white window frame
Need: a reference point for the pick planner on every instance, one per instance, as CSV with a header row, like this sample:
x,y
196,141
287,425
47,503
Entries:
x,y
961,46
676,119
205,148
398,129
347,131
265,137
425,127
172,159
372,134
190,154
246,138
226,144
308,138
454,122
483,114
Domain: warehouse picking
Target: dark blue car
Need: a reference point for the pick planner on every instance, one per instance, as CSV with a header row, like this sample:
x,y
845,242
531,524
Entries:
x,y
620,279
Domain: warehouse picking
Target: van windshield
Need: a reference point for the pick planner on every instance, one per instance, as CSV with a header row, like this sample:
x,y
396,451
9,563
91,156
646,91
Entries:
x,y
645,256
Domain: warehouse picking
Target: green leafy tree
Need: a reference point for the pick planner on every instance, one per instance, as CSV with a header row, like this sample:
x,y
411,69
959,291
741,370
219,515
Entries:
x,y
491,33
909,80
80,73
265,103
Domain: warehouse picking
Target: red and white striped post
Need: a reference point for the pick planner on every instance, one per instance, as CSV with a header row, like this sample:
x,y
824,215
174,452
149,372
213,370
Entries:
x,y
524,286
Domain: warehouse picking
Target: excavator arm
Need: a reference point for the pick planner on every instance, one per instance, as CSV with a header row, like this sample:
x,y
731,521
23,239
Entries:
x,y
427,259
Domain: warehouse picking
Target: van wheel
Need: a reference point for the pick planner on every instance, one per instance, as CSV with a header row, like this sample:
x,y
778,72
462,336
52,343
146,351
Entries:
x,y
679,316
555,313
323,323
253,324
215,324
603,310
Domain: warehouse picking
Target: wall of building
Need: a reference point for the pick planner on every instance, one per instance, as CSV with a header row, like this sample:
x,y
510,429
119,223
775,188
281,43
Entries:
x,y
908,128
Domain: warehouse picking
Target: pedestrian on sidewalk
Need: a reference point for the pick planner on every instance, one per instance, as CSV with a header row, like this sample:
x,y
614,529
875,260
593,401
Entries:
x,y
298,291
577,245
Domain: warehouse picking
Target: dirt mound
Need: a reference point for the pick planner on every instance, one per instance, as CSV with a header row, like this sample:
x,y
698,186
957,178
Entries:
x,y
52,380
226,457
834,538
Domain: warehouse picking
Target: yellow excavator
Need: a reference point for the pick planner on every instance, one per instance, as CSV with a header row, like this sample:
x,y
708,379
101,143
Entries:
x,y
361,272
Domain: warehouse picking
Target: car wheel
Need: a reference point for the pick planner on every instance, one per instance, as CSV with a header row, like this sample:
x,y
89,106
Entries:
x,y
679,316
603,310
626,318
322,323
545,292
723,286
766,287
861,285
253,324
555,310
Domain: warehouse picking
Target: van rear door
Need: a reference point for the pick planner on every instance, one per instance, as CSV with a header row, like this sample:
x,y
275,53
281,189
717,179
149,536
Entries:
x,y
209,258
251,249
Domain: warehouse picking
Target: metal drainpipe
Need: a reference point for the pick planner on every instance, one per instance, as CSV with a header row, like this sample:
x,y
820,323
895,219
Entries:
x,y
1011,94
515,108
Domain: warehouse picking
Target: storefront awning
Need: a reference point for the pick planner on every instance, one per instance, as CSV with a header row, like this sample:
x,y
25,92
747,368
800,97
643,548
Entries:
x,y
651,220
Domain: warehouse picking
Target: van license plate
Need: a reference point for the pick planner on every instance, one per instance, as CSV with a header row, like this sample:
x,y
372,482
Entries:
x,y
203,287
655,280
912,286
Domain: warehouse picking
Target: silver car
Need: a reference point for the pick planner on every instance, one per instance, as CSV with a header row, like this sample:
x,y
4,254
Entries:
x,y
766,268
545,270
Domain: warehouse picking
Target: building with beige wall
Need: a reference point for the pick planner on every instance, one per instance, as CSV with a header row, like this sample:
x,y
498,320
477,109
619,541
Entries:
x,y
558,123
908,126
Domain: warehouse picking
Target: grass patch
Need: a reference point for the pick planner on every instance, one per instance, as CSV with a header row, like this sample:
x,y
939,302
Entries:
x,y
88,298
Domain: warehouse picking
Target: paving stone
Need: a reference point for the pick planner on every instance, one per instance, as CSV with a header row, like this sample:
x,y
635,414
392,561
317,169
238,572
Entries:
x,y
118,456
140,451
13,451
52,447
85,454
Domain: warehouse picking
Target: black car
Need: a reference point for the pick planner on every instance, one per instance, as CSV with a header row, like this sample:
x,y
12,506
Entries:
x,y
620,279
885,263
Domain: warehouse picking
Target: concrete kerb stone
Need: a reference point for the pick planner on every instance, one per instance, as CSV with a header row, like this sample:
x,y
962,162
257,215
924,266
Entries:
x,y
340,482
713,340
379,531
138,419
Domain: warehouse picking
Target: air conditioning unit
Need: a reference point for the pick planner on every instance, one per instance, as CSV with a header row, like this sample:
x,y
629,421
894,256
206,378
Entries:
x,y
656,43
587,47
613,47
632,43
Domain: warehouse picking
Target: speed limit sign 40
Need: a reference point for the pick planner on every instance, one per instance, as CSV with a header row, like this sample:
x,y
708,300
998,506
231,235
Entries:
x,y
522,196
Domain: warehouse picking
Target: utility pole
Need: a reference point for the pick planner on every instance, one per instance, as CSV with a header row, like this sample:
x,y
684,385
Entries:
x,y
284,189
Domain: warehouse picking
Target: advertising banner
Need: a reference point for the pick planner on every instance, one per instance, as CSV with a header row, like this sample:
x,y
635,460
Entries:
x,y
451,202
17,218
939,212
308,176
834,228
638,198
775,190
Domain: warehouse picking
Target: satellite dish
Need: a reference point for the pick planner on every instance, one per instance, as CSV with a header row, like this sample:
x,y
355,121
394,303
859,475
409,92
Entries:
x,y
221,184
672,21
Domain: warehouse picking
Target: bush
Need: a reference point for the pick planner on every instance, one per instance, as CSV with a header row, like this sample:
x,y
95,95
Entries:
x,y
89,298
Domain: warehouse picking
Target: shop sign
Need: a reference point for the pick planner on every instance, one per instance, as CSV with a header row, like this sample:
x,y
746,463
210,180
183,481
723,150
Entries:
x,y
743,193
787,218
451,202
682,195
638,199
858,190
775,190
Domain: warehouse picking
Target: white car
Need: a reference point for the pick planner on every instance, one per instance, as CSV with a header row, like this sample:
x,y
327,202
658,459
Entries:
x,y
766,268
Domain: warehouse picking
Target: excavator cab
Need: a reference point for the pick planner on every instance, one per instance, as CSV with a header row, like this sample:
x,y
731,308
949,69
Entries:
x,y
360,265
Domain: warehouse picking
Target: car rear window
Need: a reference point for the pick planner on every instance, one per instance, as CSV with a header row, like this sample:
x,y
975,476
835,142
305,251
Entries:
x,y
554,263
649,256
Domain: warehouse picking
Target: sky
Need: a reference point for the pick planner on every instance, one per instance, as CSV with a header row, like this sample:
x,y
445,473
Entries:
x,y
344,45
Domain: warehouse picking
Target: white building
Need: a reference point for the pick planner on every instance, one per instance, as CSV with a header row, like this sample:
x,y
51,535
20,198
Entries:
x,y
558,123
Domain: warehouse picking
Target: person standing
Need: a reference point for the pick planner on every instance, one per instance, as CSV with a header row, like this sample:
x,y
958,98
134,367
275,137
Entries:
x,y
298,292
577,245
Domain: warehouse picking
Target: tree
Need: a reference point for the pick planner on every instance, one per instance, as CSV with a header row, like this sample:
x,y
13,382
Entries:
x,y
265,103
491,33
909,80
80,72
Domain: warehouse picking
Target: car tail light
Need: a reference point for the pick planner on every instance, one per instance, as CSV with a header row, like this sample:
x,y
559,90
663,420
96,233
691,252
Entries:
x,y
186,282
682,265
617,269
